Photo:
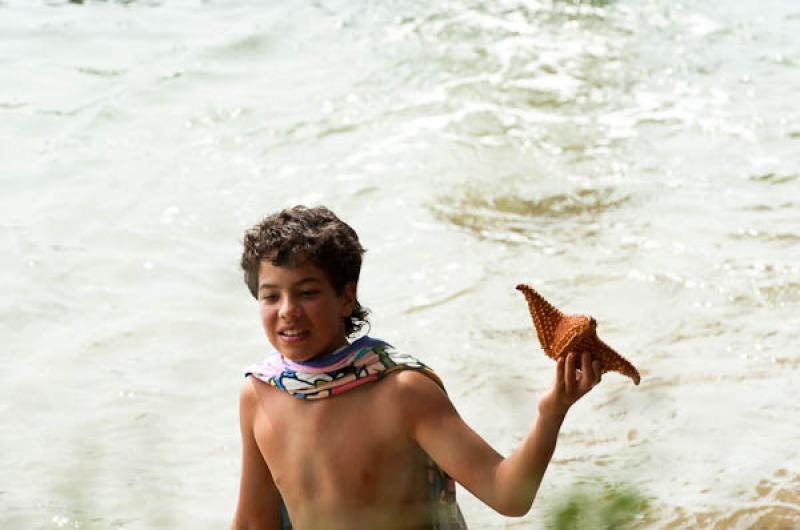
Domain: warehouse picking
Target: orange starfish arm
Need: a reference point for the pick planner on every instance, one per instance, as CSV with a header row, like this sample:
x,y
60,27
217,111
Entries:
x,y
559,333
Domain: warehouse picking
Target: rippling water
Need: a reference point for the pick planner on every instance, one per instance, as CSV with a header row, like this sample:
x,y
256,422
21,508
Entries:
x,y
633,160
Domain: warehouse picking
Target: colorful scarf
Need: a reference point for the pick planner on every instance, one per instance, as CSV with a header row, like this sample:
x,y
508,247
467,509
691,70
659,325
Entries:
x,y
363,361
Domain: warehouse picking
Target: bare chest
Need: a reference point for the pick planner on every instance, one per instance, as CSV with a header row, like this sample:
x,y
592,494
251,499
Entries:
x,y
353,449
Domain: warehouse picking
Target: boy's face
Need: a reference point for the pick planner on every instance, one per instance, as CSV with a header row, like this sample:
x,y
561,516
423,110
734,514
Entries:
x,y
302,314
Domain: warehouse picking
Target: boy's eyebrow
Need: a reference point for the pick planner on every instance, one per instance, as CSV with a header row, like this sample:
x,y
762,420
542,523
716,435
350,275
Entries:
x,y
299,282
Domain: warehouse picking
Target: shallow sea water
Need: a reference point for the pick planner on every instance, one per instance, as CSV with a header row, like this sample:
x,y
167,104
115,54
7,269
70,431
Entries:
x,y
632,160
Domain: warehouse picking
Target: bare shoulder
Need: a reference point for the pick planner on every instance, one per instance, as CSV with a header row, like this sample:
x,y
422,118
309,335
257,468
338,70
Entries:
x,y
416,382
254,392
419,392
248,399
247,392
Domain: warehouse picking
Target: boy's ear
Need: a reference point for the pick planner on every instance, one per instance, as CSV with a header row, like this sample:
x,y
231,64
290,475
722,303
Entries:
x,y
348,298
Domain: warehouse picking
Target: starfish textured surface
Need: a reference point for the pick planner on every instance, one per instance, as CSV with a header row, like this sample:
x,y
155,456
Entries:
x,y
559,333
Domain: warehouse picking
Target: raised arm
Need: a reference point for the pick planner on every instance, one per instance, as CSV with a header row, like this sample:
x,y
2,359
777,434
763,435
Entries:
x,y
258,507
507,485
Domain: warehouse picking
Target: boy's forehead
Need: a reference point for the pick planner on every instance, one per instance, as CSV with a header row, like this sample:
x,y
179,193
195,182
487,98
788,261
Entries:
x,y
294,271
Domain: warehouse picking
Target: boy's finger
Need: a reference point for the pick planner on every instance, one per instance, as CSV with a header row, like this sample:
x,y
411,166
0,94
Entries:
x,y
569,375
587,372
598,371
560,373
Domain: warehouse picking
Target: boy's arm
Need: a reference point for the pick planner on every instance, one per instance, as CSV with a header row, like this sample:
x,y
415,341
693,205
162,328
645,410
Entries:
x,y
508,485
258,507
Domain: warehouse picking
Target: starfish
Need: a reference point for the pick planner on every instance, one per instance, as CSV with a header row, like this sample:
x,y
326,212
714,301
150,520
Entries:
x,y
559,333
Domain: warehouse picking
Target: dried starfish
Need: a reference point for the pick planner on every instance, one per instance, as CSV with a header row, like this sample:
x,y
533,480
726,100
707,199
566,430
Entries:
x,y
559,333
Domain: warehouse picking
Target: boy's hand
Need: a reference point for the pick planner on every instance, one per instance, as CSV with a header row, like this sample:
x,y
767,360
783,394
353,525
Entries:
x,y
570,384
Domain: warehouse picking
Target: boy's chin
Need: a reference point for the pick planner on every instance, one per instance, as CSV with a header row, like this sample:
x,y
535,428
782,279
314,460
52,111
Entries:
x,y
298,353
303,353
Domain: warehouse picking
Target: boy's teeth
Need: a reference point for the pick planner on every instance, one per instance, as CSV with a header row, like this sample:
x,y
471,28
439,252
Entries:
x,y
292,333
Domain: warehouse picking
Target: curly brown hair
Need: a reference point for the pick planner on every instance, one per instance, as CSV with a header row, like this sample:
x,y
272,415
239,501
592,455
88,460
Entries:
x,y
294,235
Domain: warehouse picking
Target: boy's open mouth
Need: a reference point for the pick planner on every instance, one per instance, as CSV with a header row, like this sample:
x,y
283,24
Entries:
x,y
292,335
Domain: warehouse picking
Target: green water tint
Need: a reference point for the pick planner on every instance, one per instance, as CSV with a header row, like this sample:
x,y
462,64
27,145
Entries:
x,y
612,507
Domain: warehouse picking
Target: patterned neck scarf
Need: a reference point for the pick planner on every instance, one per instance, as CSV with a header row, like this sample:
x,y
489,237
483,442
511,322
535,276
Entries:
x,y
364,361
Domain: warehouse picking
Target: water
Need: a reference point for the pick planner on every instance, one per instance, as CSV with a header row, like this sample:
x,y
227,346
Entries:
x,y
632,160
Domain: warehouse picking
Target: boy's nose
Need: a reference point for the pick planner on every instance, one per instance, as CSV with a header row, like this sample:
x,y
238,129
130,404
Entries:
x,y
288,308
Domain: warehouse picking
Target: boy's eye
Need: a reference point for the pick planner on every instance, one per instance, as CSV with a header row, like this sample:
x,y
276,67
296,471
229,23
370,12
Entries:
x,y
310,292
270,297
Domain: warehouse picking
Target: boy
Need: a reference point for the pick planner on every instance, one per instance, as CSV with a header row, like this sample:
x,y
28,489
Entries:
x,y
373,440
